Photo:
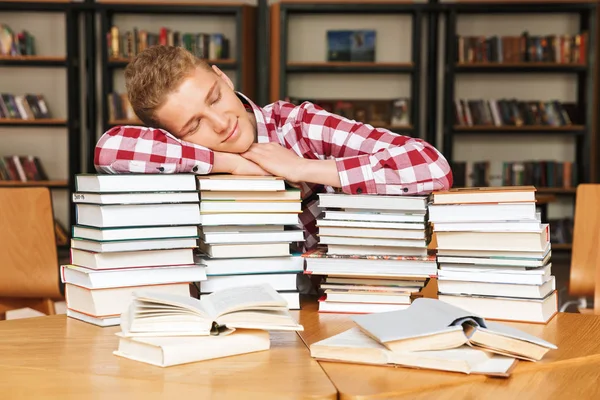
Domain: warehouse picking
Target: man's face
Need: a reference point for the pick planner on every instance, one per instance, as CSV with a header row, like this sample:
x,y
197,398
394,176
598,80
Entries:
x,y
205,110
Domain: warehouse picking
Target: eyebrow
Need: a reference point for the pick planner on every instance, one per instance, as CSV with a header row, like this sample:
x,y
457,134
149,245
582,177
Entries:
x,y
210,92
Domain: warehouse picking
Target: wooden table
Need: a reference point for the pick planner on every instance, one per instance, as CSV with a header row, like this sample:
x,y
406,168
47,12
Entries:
x,y
63,358
575,365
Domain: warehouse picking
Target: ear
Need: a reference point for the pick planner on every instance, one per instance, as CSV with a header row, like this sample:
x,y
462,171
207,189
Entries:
x,y
223,76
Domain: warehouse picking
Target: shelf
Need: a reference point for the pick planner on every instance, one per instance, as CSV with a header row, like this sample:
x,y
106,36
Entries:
x,y
32,122
556,190
571,129
349,67
561,246
221,64
32,61
51,184
523,67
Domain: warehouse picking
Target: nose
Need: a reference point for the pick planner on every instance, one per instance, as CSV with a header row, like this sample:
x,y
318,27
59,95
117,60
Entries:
x,y
220,122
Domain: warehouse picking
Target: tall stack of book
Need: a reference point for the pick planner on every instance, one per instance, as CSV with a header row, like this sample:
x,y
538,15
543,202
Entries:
x,y
373,252
248,227
132,232
494,253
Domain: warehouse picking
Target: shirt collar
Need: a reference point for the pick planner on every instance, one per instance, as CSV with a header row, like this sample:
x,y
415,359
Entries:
x,y
259,114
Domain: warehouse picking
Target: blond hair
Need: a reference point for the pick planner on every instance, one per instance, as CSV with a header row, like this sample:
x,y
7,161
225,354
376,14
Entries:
x,y
153,74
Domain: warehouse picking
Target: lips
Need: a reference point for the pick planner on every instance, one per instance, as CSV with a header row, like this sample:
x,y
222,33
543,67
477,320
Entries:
x,y
233,131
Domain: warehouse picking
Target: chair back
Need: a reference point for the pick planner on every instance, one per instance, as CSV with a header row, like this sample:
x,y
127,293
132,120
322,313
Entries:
x,y
28,256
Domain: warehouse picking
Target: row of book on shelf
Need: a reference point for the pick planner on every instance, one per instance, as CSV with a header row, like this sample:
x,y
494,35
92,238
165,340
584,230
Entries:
x,y
538,173
561,49
379,113
22,168
127,44
24,106
513,112
16,43
140,241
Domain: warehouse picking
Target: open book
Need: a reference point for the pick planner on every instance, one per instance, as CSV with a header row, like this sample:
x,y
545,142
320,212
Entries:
x,y
353,346
249,307
430,324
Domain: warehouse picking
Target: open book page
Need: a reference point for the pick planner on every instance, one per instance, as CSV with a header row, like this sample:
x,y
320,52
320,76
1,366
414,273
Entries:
x,y
149,301
254,297
509,331
356,347
424,317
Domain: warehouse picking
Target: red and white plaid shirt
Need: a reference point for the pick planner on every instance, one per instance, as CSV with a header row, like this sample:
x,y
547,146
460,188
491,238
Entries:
x,y
369,160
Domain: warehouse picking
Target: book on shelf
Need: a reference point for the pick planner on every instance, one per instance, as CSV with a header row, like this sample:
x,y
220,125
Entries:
x,y
128,43
389,114
510,112
561,49
28,106
16,43
256,306
431,324
22,168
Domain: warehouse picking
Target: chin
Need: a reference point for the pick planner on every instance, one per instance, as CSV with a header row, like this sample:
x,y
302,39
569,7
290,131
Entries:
x,y
241,145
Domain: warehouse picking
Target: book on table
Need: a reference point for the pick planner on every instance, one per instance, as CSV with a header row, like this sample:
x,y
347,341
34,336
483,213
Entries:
x,y
222,312
356,347
430,324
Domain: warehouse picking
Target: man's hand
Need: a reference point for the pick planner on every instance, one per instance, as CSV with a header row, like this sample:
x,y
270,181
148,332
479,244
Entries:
x,y
277,160
236,165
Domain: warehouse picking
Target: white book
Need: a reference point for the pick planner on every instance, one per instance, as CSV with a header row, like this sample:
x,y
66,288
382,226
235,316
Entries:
x,y
354,346
373,225
489,226
245,250
130,259
292,235
249,219
507,308
528,277
134,245
240,183
104,216
111,278
371,233
373,202
358,308
124,233
354,241
495,261
170,351
98,321
482,212
106,183
286,195
291,297
111,302
279,282
497,289
240,228
136,198
207,207
374,216
258,265
341,249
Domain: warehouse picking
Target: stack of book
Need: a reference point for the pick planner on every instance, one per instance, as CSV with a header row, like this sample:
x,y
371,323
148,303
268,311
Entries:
x,y
494,253
431,334
248,226
376,257
132,232
165,329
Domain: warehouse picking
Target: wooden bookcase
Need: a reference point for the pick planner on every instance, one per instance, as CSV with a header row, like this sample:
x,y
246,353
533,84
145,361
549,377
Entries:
x,y
581,133
283,68
69,124
241,63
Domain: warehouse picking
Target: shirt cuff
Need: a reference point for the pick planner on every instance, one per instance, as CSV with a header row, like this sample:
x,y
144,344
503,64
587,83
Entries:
x,y
356,175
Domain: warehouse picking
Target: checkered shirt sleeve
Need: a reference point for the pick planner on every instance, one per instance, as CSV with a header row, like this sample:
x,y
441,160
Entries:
x,y
138,149
369,160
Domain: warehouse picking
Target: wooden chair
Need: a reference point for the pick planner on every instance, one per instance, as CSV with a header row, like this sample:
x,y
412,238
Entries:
x,y
28,258
584,278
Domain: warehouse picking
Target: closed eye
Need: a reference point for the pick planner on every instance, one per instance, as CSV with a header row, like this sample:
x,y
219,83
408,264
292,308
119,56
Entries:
x,y
192,130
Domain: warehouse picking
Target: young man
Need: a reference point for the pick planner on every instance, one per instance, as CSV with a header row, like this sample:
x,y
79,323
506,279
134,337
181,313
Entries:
x,y
198,123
